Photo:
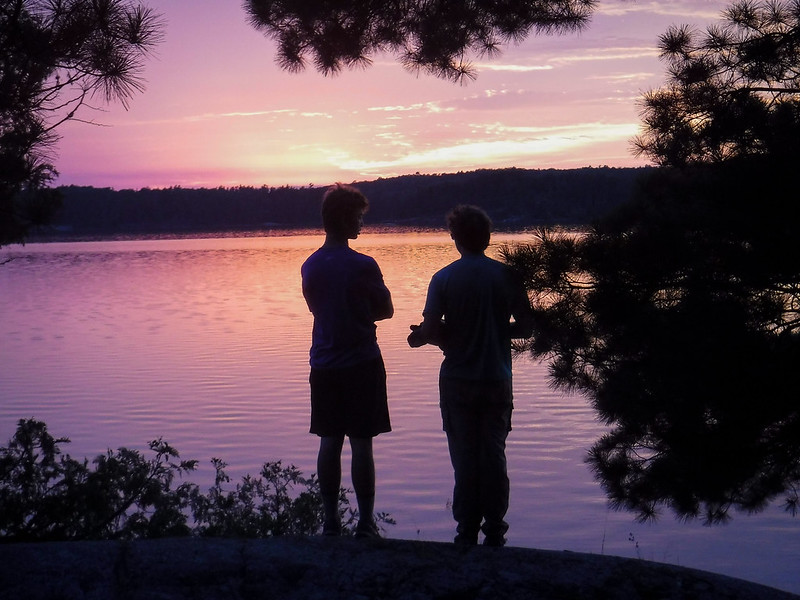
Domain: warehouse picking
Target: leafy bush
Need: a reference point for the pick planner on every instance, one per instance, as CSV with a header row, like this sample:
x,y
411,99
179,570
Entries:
x,y
46,495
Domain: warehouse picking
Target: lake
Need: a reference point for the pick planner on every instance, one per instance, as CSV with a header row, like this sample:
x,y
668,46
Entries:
x,y
204,342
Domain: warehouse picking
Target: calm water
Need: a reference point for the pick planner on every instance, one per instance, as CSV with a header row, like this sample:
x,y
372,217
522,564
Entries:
x,y
204,342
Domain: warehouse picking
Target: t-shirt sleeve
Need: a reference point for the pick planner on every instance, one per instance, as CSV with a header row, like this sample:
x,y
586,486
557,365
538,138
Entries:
x,y
434,301
380,299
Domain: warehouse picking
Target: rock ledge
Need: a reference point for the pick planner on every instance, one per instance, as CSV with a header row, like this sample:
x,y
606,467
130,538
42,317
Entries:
x,y
316,568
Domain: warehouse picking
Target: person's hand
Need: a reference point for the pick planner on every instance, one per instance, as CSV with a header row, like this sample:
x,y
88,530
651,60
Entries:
x,y
415,338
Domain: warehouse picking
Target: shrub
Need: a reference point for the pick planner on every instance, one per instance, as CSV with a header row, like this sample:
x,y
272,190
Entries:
x,y
46,495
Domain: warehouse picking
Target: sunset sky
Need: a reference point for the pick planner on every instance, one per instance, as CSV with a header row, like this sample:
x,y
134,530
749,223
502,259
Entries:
x,y
217,111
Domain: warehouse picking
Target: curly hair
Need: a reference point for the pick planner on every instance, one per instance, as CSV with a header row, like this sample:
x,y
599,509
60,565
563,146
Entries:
x,y
470,227
341,201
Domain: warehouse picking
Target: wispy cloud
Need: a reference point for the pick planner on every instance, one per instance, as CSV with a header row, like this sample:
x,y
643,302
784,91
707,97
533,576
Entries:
x,y
507,99
622,77
232,115
519,144
430,107
486,66
606,54
238,115
676,8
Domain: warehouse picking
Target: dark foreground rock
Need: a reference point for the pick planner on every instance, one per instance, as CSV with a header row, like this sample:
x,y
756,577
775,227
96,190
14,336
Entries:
x,y
311,568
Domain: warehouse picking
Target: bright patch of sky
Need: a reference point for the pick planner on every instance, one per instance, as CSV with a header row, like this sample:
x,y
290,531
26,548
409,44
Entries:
x,y
217,111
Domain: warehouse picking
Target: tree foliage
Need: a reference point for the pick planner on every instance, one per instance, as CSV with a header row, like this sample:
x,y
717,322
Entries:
x,y
435,36
678,319
46,495
678,315
56,58
260,506
732,91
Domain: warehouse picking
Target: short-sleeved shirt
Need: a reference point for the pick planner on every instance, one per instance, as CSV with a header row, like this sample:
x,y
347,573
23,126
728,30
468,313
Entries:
x,y
341,286
476,296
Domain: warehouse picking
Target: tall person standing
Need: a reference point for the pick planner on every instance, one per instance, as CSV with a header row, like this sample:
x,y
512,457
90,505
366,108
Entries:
x,y
345,292
474,307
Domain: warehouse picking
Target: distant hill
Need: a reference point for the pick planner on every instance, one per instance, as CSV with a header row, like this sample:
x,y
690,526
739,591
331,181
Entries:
x,y
514,198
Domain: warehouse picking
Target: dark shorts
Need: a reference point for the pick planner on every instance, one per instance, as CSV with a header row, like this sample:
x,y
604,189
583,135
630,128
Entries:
x,y
350,401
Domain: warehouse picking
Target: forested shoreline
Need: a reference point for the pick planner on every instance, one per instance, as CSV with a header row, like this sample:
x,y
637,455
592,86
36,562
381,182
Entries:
x,y
515,198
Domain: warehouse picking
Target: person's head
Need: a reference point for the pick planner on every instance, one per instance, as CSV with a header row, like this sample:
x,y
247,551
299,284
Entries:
x,y
343,206
470,227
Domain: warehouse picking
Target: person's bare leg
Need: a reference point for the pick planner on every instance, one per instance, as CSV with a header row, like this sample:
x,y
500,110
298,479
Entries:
x,y
363,473
329,471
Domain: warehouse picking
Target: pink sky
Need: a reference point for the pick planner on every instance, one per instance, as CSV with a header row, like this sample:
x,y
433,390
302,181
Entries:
x,y
217,111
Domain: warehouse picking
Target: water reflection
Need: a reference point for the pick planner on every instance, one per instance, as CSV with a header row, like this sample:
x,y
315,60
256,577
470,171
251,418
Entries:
x,y
205,342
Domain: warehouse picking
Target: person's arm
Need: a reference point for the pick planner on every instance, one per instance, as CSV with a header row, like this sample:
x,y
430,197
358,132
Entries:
x,y
380,298
522,314
430,331
382,307
432,328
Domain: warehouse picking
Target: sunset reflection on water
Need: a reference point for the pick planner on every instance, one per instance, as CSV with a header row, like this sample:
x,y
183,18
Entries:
x,y
204,342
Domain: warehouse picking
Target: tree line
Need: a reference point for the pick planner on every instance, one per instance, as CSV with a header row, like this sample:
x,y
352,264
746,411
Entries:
x,y
513,197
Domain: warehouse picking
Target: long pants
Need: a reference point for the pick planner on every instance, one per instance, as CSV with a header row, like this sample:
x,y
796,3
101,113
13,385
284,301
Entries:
x,y
477,418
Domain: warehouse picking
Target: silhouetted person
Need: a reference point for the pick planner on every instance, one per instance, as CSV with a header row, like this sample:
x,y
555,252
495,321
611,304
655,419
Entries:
x,y
346,294
468,314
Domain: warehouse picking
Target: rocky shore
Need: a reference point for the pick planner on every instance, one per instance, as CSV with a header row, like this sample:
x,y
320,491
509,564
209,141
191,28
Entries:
x,y
311,568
